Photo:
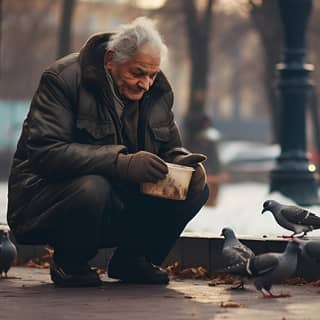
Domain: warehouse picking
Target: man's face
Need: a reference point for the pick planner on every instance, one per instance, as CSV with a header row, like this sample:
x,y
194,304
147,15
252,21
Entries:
x,y
134,77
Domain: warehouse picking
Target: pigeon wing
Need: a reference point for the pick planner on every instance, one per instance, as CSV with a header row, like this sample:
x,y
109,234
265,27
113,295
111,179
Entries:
x,y
262,264
244,251
236,268
300,216
236,257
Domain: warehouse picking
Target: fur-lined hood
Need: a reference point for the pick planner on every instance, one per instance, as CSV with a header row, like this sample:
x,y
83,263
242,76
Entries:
x,y
92,67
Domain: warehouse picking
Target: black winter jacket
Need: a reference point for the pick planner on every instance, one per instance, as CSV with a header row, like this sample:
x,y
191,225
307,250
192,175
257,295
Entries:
x,y
72,129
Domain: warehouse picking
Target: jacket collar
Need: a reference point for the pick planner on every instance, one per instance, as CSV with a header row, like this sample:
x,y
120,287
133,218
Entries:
x,y
92,68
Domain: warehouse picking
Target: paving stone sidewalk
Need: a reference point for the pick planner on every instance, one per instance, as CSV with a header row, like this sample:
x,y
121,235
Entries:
x,y
29,294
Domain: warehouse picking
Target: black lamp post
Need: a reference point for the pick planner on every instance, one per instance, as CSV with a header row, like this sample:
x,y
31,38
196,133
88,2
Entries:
x,y
294,175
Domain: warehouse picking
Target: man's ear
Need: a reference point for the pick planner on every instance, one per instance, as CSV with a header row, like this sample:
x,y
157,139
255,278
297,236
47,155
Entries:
x,y
108,57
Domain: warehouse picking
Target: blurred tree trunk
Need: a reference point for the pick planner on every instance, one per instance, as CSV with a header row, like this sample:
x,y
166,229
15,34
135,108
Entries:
x,y
266,19
65,27
198,26
194,29
28,27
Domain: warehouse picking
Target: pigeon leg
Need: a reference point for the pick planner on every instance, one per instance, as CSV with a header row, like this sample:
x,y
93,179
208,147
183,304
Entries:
x,y
268,294
295,235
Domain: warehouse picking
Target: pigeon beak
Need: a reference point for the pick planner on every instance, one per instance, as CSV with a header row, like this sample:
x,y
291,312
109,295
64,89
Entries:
x,y
264,210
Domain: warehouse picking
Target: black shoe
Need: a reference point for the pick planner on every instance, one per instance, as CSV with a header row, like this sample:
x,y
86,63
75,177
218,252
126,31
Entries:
x,y
82,276
136,270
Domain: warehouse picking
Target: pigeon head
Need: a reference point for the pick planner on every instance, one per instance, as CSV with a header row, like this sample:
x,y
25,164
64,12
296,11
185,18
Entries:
x,y
269,205
227,232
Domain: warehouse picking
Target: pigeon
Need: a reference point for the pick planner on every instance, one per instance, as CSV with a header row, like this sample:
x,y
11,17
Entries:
x,y
269,268
236,255
8,254
293,218
310,249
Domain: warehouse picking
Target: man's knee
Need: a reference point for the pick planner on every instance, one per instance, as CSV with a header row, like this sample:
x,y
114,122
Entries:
x,y
93,191
191,206
199,199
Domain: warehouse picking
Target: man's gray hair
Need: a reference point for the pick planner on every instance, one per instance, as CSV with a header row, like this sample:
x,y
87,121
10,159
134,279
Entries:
x,y
136,36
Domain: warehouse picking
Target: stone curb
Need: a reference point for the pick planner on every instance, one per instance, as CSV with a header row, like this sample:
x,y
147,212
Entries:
x,y
194,250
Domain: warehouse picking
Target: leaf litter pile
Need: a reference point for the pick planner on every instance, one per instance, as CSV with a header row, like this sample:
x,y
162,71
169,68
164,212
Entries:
x,y
175,271
42,262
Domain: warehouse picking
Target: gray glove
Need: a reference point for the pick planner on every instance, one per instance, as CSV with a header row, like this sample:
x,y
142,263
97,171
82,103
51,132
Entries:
x,y
199,177
142,166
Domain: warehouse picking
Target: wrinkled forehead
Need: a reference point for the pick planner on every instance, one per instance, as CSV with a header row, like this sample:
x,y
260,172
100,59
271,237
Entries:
x,y
146,60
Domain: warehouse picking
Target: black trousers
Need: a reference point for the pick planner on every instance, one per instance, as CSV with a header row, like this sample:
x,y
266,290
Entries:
x,y
88,213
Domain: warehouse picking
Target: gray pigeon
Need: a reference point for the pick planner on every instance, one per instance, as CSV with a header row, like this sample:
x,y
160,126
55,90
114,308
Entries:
x,y
293,218
236,255
8,254
310,249
269,268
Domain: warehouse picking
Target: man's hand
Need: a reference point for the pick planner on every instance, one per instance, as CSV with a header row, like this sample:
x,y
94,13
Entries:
x,y
199,177
191,159
142,166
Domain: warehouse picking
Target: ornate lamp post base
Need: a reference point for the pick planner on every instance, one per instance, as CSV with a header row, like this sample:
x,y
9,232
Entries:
x,y
293,175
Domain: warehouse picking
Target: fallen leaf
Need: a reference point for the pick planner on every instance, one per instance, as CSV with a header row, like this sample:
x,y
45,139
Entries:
x,y
187,273
230,304
39,262
224,279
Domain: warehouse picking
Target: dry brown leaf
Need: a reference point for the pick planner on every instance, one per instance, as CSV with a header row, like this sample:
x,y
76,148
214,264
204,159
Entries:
x,y
40,262
230,304
175,271
224,279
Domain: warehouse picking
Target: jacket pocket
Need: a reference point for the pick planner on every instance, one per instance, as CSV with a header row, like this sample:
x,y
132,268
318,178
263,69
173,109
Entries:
x,y
95,132
161,134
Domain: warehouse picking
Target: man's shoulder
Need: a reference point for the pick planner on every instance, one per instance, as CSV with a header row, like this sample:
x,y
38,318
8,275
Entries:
x,y
66,71
67,68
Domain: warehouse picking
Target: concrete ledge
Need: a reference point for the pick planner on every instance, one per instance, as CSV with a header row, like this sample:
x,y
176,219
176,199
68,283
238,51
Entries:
x,y
205,250
193,250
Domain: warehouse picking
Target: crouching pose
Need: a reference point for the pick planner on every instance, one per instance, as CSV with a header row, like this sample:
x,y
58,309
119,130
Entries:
x,y
101,123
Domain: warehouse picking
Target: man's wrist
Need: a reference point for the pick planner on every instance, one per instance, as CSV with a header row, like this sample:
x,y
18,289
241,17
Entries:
x,y
122,164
